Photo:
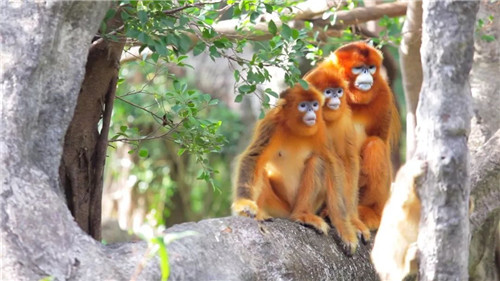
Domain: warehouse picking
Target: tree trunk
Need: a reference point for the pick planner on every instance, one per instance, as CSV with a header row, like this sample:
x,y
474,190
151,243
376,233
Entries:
x,y
443,117
484,144
44,49
411,68
82,165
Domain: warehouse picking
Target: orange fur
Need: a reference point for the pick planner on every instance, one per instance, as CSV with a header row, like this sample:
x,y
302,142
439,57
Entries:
x,y
282,173
375,112
342,134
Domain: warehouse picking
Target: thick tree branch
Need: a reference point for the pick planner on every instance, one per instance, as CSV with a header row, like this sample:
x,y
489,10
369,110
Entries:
x,y
343,18
365,14
99,161
237,248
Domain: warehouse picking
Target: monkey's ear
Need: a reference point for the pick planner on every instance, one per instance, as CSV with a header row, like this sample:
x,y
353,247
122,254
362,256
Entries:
x,y
284,93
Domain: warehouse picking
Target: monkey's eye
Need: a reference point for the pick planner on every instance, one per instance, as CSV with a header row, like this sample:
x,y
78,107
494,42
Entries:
x,y
340,92
315,105
302,106
328,92
372,69
357,70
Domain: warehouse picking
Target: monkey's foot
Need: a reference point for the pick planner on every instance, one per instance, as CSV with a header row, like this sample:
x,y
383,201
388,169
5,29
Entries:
x,y
362,230
347,234
245,208
350,242
312,220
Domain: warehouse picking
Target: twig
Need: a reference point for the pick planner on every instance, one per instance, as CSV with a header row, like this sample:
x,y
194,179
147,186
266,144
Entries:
x,y
197,5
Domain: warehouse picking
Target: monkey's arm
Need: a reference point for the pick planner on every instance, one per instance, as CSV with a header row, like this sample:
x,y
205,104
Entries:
x,y
383,125
395,129
248,170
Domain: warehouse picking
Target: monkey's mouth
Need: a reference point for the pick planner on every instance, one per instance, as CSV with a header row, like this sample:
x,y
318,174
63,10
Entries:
x,y
310,121
334,105
364,86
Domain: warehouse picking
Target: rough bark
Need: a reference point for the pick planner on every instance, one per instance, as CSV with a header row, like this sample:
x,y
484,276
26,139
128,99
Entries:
x,y
237,248
443,116
484,77
44,47
411,68
82,164
484,144
485,195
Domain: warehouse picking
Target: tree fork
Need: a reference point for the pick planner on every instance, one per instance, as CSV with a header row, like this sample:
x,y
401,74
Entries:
x,y
82,165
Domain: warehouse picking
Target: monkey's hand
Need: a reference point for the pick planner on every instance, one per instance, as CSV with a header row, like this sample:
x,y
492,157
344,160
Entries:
x,y
416,167
245,208
312,220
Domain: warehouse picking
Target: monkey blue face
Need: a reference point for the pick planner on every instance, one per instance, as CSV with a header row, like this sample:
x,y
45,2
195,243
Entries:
x,y
364,78
332,97
309,108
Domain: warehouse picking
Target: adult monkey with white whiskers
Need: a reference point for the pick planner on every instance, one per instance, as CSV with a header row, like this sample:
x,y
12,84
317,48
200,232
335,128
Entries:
x,y
376,118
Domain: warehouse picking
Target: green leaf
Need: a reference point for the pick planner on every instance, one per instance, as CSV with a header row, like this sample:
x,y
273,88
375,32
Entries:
x,y
155,57
123,128
269,8
103,27
124,15
272,27
184,43
236,75
304,84
254,16
488,38
199,48
181,151
245,89
143,153
143,16
109,14
271,92
213,52
286,31
238,98
162,253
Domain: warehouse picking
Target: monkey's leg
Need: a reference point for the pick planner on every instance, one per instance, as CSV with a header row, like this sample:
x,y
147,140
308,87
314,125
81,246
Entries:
x,y
337,211
269,202
304,209
375,165
351,195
